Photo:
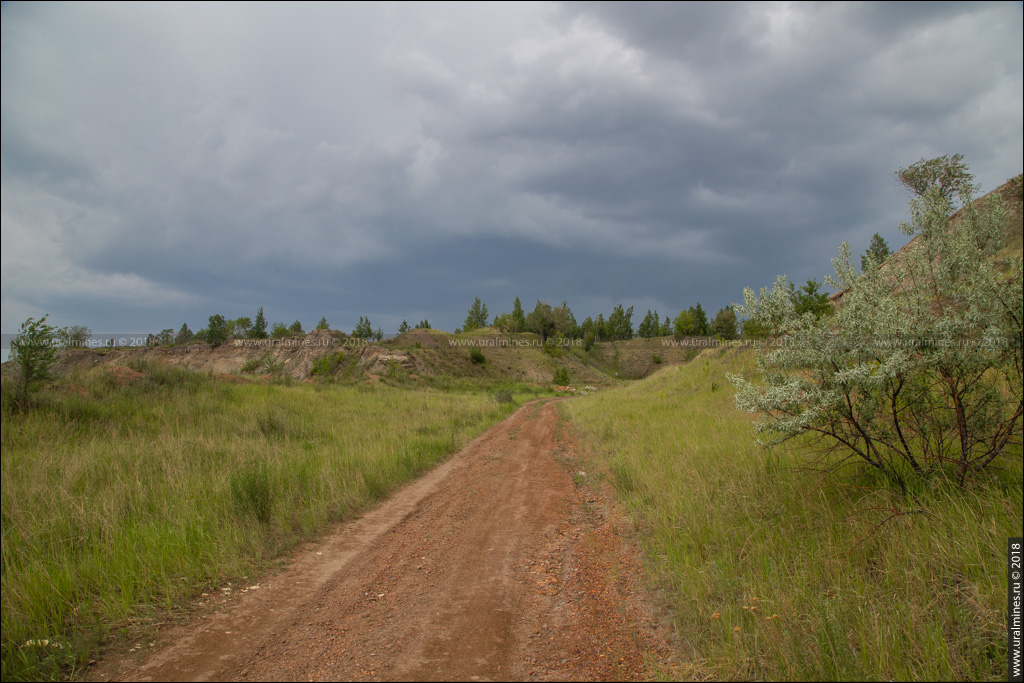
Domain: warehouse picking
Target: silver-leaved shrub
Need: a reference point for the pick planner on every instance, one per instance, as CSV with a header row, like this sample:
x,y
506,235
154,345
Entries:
x,y
919,370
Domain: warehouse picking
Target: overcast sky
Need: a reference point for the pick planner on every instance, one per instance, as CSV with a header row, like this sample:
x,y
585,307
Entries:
x,y
161,163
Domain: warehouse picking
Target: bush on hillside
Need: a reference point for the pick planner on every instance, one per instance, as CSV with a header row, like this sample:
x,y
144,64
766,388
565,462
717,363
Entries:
x,y
919,370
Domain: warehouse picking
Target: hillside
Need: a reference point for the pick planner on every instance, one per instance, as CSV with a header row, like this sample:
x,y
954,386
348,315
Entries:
x,y
416,357
1010,193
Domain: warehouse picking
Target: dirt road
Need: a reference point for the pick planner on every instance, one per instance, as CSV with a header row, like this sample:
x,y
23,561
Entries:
x,y
495,566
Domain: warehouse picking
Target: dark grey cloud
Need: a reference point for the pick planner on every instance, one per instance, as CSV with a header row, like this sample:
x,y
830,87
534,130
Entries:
x,y
163,162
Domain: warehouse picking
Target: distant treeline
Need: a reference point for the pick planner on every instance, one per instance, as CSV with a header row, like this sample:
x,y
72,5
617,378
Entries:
x,y
545,320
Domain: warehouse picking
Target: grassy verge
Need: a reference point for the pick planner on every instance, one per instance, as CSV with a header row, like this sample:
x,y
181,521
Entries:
x,y
128,492
775,573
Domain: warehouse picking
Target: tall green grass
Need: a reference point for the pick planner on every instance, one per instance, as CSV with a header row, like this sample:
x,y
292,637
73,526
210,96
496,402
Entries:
x,y
125,494
773,572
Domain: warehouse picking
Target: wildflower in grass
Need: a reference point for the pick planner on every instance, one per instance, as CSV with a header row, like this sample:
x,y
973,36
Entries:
x,y
43,643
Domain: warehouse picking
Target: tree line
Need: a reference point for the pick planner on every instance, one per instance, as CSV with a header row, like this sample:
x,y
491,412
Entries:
x,y
545,320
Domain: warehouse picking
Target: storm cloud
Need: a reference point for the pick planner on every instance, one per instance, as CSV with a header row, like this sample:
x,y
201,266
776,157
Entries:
x,y
163,162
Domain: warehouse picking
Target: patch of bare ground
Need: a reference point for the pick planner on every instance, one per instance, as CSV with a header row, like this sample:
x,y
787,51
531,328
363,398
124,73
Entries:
x,y
495,566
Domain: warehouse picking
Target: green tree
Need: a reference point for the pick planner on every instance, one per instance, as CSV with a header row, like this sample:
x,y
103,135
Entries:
x,y
565,321
920,368
217,330
184,335
423,324
166,337
33,352
259,326
363,329
600,328
809,299
620,323
700,321
541,321
503,322
518,317
476,317
684,326
240,327
876,253
693,322
279,331
403,328
587,328
648,327
724,324
323,324
74,336
947,175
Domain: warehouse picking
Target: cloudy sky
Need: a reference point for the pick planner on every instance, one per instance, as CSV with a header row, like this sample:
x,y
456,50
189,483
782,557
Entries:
x,y
161,163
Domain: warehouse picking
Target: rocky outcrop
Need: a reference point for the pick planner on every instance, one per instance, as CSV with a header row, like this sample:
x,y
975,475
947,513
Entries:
x,y
293,356
380,361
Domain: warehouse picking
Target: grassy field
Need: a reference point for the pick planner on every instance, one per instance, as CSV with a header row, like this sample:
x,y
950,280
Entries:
x,y
774,573
127,493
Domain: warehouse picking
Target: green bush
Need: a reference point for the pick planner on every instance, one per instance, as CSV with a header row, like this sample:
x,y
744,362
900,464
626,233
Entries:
x,y
477,356
321,366
266,363
273,367
503,396
271,423
553,348
167,376
325,366
561,376
254,364
252,492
